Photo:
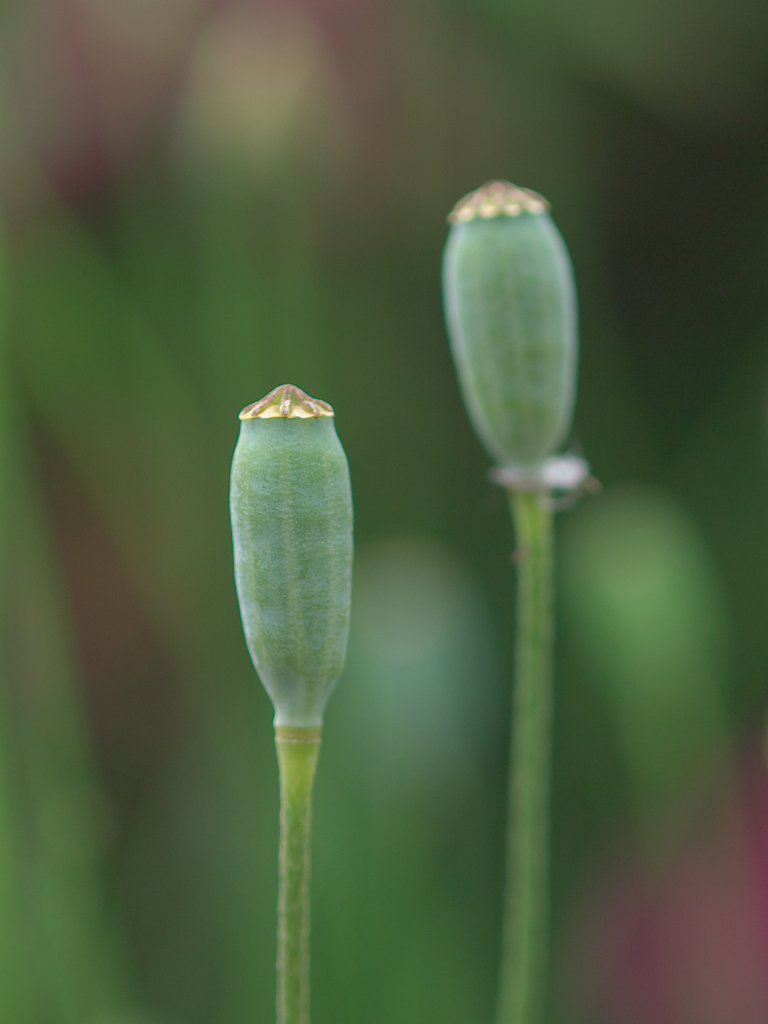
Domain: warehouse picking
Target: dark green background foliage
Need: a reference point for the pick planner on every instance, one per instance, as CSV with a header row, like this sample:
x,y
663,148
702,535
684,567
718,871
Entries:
x,y
205,201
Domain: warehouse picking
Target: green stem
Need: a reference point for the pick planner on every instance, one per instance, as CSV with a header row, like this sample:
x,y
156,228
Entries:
x,y
526,901
297,752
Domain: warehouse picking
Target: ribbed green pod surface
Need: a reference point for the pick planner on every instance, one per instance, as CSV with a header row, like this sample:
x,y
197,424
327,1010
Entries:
x,y
291,509
510,309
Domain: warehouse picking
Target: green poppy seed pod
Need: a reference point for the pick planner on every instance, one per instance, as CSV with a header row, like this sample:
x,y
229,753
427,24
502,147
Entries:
x,y
510,309
291,508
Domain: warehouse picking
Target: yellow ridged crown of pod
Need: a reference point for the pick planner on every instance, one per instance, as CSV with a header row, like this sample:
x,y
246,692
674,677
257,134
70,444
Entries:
x,y
291,509
510,309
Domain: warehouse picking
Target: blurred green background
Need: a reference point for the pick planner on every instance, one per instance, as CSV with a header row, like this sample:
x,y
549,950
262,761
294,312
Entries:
x,y
203,200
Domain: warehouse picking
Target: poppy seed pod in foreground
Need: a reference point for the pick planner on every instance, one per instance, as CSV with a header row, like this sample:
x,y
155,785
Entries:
x,y
291,508
510,309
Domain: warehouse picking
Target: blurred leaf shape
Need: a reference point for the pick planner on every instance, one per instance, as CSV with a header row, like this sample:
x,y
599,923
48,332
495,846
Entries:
x,y
404,855
99,380
14,1003
58,946
421,663
642,604
67,946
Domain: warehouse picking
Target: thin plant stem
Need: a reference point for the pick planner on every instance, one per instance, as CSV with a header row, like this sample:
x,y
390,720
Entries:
x,y
297,753
526,902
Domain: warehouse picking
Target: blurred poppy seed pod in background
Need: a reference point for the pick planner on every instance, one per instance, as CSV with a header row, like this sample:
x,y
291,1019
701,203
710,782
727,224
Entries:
x,y
291,509
510,309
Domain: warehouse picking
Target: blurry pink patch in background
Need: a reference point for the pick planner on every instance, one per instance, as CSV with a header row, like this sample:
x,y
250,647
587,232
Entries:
x,y
90,90
687,943
93,82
